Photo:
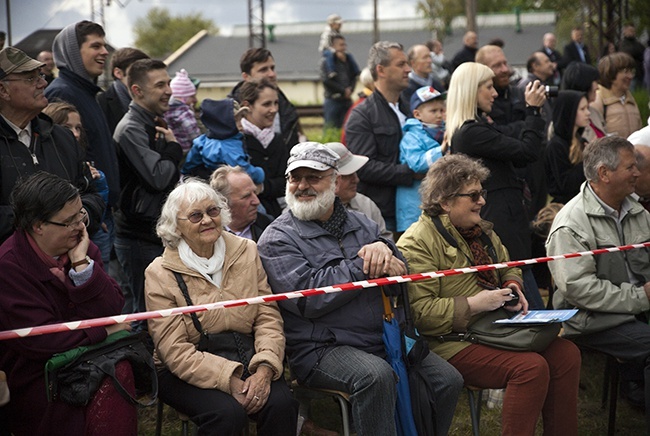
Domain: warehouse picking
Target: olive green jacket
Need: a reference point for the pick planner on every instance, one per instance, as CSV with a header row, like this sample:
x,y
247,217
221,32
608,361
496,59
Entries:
x,y
440,305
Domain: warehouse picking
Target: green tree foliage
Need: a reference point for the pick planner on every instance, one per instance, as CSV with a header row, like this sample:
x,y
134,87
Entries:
x,y
159,34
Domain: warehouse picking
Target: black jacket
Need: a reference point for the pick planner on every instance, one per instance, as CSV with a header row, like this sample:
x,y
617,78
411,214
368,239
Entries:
x,y
571,54
465,54
148,172
273,160
112,107
56,152
344,76
373,130
505,206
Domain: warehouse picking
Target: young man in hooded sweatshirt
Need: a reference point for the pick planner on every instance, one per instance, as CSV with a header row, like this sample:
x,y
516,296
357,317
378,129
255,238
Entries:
x,y
80,54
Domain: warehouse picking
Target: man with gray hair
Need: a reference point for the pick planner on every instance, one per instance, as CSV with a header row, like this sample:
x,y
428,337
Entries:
x,y
374,128
419,57
611,291
240,191
334,340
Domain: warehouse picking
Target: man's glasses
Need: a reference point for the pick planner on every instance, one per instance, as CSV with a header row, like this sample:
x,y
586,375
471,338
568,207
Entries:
x,y
196,217
74,224
33,80
475,196
311,179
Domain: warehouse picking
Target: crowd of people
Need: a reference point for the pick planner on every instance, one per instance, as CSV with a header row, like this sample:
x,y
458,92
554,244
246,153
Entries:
x,y
131,199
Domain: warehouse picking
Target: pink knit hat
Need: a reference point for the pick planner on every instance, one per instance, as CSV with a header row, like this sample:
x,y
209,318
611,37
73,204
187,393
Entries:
x,y
182,86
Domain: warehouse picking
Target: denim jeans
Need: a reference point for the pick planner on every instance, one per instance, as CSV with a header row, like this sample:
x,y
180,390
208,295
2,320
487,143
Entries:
x,y
334,112
370,381
630,343
104,239
134,256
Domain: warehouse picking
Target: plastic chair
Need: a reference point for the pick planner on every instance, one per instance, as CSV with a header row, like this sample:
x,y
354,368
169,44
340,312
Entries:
x,y
475,398
343,398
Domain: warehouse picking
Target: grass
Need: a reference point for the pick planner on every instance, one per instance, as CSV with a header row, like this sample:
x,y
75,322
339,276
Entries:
x,y
592,419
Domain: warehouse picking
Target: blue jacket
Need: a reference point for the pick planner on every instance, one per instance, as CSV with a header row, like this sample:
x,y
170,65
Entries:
x,y
212,153
302,255
80,92
418,150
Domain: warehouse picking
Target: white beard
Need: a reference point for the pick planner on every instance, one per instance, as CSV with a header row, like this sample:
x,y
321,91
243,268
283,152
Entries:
x,y
313,209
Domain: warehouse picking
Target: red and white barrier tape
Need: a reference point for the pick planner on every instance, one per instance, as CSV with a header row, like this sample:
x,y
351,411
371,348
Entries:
x,y
109,320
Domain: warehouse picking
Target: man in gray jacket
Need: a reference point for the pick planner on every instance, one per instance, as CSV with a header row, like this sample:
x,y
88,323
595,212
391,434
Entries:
x,y
334,340
610,290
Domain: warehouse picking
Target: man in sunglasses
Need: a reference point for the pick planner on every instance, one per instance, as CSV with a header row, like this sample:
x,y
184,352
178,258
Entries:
x,y
149,156
334,341
31,142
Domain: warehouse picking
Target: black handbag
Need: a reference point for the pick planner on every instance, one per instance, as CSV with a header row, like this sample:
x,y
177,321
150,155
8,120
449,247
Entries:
x,y
230,345
74,376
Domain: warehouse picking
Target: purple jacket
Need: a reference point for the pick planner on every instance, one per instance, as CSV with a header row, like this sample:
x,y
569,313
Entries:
x,y
32,296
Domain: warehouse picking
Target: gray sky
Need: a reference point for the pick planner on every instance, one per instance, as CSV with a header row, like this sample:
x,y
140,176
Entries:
x,y
30,15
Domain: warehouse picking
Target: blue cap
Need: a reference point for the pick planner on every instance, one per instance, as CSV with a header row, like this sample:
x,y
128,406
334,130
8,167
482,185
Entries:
x,y
424,94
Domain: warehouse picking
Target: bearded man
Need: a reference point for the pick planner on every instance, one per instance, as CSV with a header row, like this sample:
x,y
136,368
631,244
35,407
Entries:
x,y
334,341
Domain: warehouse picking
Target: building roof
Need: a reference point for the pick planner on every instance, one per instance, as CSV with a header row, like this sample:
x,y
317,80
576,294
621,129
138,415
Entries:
x,y
295,49
42,39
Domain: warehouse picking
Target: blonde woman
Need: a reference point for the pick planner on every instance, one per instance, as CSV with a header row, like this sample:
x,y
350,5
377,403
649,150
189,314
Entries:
x,y
471,132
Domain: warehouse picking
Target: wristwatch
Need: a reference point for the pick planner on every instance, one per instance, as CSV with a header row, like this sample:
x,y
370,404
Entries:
x,y
85,260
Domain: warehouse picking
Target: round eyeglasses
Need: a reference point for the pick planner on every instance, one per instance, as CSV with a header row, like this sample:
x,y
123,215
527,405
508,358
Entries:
x,y
196,217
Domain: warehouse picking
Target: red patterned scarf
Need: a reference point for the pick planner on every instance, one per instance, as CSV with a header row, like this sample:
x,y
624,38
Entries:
x,y
481,257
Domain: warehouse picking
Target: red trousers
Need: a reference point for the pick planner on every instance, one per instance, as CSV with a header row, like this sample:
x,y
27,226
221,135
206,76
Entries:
x,y
545,382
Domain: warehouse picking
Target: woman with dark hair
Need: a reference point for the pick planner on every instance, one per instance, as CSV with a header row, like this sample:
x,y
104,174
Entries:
x,y
52,273
584,78
563,157
614,101
266,149
543,383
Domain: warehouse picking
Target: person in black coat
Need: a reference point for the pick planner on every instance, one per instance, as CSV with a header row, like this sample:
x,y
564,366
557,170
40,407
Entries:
x,y
471,91
575,51
468,52
115,101
563,157
265,148
32,142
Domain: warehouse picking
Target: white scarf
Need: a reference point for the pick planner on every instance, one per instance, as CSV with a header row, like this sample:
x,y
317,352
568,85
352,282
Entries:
x,y
210,268
265,136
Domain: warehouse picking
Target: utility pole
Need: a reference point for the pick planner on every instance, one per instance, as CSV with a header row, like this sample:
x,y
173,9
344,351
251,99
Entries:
x,y
256,29
375,23
470,12
8,7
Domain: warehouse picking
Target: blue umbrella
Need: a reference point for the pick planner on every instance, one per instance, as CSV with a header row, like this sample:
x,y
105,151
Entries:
x,y
393,343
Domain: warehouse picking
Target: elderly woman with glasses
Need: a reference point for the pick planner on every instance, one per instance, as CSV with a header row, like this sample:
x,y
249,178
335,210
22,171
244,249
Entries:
x,y
451,234
203,264
614,101
51,273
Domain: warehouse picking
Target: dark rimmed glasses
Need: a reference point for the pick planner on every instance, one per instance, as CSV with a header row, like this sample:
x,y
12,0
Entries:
x,y
196,217
74,224
475,196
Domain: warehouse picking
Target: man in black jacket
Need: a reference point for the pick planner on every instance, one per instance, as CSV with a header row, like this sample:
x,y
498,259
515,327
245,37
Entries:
x,y
115,101
374,129
149,156
468,52
31,142
256,64
576,51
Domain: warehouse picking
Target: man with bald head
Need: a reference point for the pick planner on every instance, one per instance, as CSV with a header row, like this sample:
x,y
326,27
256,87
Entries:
x,y
419,57
549,42
48,65
468,52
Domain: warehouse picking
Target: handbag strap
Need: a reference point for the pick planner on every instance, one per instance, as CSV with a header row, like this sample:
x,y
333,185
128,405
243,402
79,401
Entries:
x,y
188,300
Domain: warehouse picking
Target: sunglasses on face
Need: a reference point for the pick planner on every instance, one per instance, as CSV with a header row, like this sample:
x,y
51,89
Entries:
x,y
475,196
196,217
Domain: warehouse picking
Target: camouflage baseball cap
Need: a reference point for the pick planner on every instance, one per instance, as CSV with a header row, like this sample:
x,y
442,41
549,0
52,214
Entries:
x,y
13,60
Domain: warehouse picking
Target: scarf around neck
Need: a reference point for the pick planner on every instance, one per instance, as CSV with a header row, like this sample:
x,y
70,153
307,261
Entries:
x,y
210,268
56,265
481,257
265,136
334,224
